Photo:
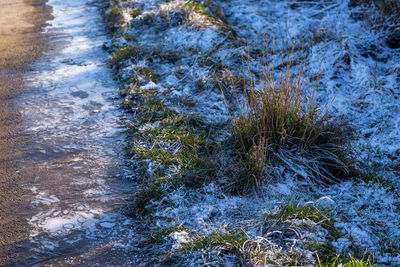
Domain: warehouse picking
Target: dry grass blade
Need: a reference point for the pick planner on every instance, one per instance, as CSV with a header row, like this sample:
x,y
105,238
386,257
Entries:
x,y
275,114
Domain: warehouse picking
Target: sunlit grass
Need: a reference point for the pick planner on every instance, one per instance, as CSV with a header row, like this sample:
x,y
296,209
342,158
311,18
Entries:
x,y
277,113
340,261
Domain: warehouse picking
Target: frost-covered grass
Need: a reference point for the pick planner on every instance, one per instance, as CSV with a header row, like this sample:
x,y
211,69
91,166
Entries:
x,y
276,114
307,206
123,53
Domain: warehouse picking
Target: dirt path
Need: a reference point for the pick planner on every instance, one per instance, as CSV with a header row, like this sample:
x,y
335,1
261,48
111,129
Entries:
x,y
72,158
20,43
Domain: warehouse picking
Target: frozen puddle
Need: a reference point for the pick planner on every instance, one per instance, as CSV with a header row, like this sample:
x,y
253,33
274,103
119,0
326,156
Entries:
x,y
76,164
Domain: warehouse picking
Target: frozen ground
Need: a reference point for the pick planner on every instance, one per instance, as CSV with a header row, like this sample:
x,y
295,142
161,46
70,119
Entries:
x,y
180,50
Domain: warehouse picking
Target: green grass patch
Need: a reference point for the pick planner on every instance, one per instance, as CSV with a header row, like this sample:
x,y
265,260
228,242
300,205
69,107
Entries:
x,y
325,252
213,13
156,154
122,54
199,7
294,210
142,198
230,241
135,12
148,73
148,106
184,147
340,261
156,188
178,139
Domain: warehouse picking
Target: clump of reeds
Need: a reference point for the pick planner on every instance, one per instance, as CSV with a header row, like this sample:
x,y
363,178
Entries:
x,y
276,116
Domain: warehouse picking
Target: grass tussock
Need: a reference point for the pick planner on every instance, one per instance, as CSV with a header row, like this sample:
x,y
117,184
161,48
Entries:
x,y
276,114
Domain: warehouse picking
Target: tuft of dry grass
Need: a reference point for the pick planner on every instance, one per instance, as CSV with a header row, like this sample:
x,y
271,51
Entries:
x,y
276,115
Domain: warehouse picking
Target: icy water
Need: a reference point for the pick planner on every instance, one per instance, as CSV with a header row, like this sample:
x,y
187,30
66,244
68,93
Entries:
x,y
80,174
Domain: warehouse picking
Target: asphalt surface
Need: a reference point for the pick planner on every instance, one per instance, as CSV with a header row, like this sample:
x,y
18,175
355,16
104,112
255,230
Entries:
x,y
21,42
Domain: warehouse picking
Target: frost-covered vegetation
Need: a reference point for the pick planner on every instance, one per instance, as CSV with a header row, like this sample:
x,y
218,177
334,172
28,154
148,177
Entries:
x,y
267,131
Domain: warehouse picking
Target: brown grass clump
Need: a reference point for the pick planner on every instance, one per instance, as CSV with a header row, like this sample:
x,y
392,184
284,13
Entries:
x,y
277,119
